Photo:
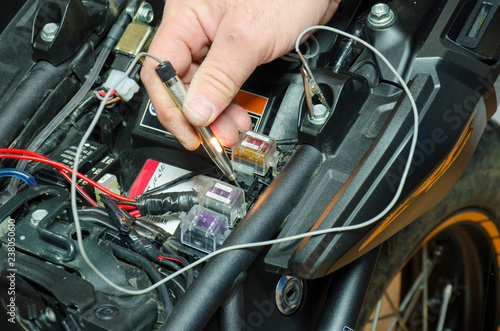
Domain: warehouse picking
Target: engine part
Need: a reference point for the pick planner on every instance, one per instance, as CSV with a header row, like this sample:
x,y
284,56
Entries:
x,y
61,27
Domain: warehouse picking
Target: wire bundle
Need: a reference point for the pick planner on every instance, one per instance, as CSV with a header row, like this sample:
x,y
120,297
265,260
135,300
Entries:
x,y
21,154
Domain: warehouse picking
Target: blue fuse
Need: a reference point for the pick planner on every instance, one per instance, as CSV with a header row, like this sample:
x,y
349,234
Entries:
x,y
224,198
203,229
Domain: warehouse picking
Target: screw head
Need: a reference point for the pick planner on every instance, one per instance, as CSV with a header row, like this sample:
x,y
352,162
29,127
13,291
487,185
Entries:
x,y
38,215
145,13
106,312
320,113
47,316
51,316
49,31
381,16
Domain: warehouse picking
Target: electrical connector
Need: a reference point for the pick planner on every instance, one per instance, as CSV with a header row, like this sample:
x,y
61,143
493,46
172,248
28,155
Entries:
x,y
254,153
110,182
136,38
203,229
126,89
224,198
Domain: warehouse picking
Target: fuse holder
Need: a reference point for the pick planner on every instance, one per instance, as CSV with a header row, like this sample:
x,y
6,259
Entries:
x,y
254,153
203,229
224,198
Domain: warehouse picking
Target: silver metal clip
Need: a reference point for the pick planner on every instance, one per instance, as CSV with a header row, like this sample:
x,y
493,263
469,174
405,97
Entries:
x,y
311,88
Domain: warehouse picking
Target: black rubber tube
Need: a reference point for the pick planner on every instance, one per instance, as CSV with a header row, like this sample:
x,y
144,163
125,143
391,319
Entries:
x,y
149,268
206,294
27,97
233,313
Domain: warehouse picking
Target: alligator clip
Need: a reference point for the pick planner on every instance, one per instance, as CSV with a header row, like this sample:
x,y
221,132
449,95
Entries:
x,y
312,89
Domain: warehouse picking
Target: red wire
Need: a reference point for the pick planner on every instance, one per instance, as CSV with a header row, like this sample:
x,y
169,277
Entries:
x,y
80,190
103,94
135,213
32,156
128,207
160,257
64,174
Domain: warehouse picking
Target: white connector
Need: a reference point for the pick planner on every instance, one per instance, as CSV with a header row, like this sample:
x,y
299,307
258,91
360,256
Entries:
x,y
125,89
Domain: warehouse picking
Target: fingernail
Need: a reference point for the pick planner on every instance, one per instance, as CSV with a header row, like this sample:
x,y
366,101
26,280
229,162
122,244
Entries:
x,y
202,109
183,143
188,145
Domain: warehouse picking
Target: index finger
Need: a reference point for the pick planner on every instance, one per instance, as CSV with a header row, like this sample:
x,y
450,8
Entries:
x,y
170,44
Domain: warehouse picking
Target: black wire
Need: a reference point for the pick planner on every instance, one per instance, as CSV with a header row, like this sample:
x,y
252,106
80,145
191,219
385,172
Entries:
x,y
151,227
94,216
287,142
149,268
178,180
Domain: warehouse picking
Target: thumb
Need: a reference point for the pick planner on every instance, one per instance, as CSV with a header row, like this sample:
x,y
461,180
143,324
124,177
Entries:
x,y
226,67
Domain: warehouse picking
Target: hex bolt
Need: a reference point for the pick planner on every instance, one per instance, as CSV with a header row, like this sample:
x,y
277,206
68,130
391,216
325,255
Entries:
x,y
381,16
38,215
320,113
49,32
145,13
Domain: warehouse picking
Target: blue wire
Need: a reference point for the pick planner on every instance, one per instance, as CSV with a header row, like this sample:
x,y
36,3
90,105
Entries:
x,y
22,175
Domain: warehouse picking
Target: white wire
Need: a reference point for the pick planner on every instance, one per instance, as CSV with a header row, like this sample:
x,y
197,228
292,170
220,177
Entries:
x,y
255,244
308,54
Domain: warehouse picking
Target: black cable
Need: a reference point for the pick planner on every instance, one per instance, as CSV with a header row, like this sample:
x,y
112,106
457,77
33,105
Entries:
x,y
168,202
97,220
118,28
93,215
287,142
57,137
176,288
149,268
151,227
146,249
178,180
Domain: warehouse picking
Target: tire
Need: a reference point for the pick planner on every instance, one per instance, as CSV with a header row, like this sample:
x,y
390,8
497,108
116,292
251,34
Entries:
x,y
461,235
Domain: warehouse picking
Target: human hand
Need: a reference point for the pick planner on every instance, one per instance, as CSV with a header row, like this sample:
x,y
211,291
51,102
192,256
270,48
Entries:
x,y
215,45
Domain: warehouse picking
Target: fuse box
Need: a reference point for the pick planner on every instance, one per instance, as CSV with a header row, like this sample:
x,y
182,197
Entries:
x,y
254,153
224,198
203,229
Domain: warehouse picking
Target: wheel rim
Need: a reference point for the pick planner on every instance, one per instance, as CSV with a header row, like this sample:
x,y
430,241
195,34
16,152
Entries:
x,y
460,258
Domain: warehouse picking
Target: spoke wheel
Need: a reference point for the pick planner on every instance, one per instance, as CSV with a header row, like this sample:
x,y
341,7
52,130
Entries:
x,y
442,271
461,284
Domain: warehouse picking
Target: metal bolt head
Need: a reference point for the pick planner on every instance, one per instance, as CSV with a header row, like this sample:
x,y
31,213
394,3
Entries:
x,y
320,113
49,31
145,13
51,316
47,317
381,16
38,215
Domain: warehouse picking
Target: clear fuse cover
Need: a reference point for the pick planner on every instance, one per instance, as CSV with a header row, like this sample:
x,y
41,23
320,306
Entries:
x,y
254,153
203,229
224,198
